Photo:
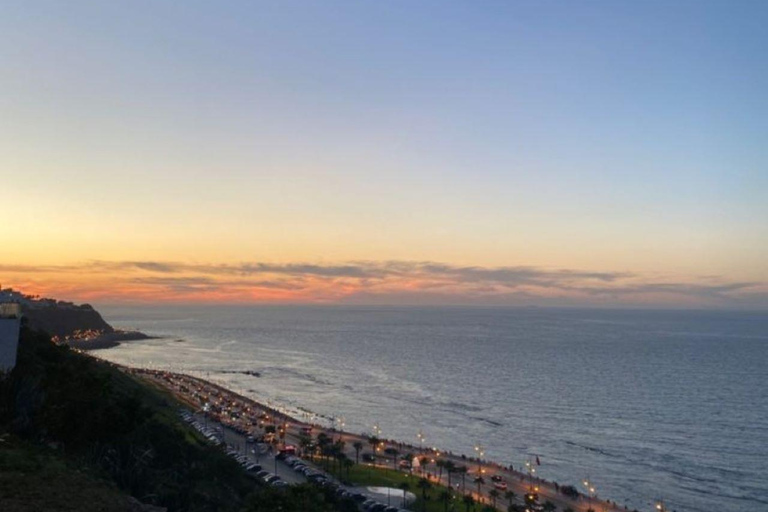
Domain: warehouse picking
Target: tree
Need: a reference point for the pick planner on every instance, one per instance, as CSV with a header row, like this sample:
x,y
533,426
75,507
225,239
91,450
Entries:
x,y
445,497
548,506
468,501
358,446
494,494
305,443
404,486
408,457
394,453
450,468
338,451
462,470
440,463
424,485
347,464
374,442
510,496
479,481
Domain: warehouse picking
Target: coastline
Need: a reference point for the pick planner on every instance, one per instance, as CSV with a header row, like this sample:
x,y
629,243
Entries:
x,y
107,340
238,411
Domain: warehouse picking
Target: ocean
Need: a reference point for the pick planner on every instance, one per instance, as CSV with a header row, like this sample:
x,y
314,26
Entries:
x,y
648,405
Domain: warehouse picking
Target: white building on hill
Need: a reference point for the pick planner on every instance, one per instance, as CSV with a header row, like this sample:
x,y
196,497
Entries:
x,y
10,322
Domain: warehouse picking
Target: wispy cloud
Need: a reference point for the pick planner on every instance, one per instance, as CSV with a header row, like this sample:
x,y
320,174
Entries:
x,y
375,282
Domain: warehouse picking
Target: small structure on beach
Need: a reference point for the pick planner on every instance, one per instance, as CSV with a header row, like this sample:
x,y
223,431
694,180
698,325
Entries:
x,y
10,323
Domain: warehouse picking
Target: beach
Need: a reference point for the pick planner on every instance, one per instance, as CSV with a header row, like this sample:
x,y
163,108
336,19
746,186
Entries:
x,y
250,417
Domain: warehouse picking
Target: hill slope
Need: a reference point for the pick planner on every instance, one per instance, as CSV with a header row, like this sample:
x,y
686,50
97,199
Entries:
x,y
79,434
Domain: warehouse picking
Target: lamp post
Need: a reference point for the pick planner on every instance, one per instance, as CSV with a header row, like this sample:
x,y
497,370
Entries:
x,y
591,492
480,451
340,421
529,469
420,437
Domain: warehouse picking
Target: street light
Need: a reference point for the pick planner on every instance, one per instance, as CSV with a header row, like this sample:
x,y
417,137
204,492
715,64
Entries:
x,y
480,450
420,436
206,408
591,492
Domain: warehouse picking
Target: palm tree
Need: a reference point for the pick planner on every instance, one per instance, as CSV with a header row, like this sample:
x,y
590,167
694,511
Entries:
x,y
424,461
305,442
424,485
338,451
479,481
445,497
409,458
450,468
347,463
394,453
462,470
440,463
548,506
494,494
323,441
510,496
374,442
404,486
468,501
358,446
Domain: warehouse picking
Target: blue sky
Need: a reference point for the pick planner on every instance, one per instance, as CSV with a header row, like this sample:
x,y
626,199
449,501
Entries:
x,y
597,135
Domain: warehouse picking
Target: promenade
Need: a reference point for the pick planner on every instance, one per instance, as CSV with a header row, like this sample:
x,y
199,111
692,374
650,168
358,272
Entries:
x,y
251,417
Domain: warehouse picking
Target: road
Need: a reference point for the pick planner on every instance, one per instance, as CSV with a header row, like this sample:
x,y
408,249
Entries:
x,y
251,415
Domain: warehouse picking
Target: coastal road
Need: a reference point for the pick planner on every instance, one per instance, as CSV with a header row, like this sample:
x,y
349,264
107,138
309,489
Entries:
x,y
194,390
263,456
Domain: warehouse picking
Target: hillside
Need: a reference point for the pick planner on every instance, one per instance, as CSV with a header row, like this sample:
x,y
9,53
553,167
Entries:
x,y
65,320
77,433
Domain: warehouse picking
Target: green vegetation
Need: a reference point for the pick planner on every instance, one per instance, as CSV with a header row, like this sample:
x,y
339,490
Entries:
x,y
430,497
32,478
79,434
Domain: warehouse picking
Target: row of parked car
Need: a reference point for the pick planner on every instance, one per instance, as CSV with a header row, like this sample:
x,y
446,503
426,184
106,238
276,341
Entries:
x,y
213,435
313,475
322,479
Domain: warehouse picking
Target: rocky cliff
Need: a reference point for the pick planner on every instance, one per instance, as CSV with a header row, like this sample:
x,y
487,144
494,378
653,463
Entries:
x,y
65,320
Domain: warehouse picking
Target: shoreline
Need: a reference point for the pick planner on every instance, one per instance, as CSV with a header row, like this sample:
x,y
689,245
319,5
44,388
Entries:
x,y
107,340
236,410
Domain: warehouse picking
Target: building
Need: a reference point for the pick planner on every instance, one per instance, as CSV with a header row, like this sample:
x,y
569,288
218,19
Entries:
x,y
10,323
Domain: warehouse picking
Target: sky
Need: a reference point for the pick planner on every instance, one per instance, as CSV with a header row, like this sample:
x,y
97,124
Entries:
x,y
595,153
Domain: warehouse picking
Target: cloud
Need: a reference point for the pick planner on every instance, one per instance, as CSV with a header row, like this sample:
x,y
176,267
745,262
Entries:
x,y
378,282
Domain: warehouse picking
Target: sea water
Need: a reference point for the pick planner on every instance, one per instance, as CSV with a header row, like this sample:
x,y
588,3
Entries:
x,y
648,405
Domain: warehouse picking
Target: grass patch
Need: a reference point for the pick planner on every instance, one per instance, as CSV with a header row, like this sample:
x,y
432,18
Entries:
x,y
34,478
432,500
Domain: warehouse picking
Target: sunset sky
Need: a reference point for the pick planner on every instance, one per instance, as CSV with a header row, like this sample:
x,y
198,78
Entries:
x,y
597,153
